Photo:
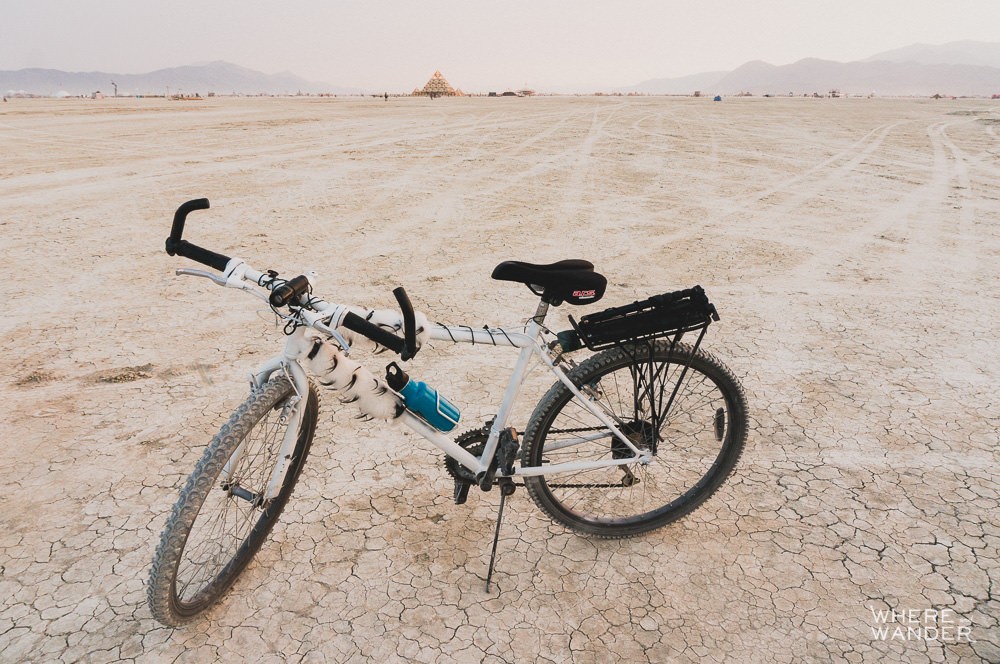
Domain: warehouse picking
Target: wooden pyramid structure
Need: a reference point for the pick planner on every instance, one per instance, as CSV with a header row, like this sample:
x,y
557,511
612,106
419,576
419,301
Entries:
x,y
437,86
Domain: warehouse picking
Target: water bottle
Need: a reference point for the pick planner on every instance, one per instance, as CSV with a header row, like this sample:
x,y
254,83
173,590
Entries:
x,y
422,399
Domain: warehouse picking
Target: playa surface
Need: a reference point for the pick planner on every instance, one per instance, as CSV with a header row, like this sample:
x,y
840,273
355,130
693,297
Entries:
x,y
852,247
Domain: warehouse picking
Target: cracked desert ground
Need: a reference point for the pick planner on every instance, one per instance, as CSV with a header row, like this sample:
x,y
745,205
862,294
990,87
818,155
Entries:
x,y
852,247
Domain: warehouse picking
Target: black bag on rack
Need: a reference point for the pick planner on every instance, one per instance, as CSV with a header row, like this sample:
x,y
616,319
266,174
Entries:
x,y
658,316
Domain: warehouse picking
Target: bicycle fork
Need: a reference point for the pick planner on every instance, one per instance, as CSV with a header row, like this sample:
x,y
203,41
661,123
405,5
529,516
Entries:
x,y
290,418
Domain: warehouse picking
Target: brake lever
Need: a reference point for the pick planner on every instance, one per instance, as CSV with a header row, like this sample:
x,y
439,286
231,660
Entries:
x,y
181,271
225,283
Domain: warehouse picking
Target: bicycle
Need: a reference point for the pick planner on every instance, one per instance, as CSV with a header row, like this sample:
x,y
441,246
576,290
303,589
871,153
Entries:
x,y
633,437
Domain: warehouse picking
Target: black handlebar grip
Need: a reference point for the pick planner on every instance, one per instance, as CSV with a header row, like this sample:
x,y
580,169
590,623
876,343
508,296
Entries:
x,y
178,247
199,254
288,291
377,334
409,324
177,229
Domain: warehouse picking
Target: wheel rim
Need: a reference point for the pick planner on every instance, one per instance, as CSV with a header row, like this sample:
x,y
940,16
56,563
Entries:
x,y
690,444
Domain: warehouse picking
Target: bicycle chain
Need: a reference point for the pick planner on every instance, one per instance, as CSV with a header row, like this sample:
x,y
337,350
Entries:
x,y
576,430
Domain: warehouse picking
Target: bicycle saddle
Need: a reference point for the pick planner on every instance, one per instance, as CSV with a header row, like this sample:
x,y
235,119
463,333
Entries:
x,y
570,281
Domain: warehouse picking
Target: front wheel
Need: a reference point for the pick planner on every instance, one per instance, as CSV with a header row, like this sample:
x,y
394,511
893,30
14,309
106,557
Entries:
x,y
692,446
223,514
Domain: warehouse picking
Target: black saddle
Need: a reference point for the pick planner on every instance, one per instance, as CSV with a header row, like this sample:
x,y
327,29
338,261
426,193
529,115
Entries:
x,y
569,281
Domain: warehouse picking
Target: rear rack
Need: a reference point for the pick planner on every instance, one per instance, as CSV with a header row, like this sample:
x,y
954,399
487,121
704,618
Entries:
x,y
669,314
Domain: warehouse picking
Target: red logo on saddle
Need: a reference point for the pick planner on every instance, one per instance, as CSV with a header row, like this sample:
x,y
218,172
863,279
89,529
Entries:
x,y
584,293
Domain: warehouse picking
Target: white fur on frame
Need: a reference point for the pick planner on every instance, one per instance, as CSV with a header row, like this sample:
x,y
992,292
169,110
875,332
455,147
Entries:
x,y
359,386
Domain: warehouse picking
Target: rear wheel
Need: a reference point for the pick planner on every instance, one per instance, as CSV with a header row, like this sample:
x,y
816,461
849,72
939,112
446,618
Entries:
x,y
693,446
221,519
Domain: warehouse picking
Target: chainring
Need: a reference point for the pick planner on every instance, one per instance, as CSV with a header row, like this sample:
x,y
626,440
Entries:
x,y
473,442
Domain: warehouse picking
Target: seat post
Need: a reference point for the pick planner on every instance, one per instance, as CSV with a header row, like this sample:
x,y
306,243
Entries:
x,y
543,308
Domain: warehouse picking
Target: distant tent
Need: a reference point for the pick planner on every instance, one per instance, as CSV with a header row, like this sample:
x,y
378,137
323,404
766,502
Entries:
x,y
437,86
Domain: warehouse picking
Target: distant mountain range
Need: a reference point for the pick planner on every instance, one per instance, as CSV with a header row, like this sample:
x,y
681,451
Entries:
x,y
958,68
984,54
213,77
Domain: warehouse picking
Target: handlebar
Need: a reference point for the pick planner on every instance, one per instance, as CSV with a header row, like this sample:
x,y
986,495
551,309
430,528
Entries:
x,y
293,290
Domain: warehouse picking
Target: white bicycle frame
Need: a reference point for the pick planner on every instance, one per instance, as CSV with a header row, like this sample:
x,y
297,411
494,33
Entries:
x,y
239,275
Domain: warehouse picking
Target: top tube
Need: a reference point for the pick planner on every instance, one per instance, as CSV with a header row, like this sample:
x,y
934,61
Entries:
x,y
496,336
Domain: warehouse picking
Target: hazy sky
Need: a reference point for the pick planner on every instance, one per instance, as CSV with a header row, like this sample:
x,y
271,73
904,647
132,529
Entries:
x,y
478,45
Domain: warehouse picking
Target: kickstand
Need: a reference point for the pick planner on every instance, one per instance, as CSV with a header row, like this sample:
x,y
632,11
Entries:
x,y
504,492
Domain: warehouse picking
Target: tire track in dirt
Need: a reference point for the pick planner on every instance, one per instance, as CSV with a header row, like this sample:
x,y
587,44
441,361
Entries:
x,y
456,164
910,225
816,179
784,200
500,180
947,236
581,166
525,147
211,156
440,197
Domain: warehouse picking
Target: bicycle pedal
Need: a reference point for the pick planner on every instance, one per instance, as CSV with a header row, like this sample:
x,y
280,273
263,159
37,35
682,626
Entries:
x,y
507,450
461,492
